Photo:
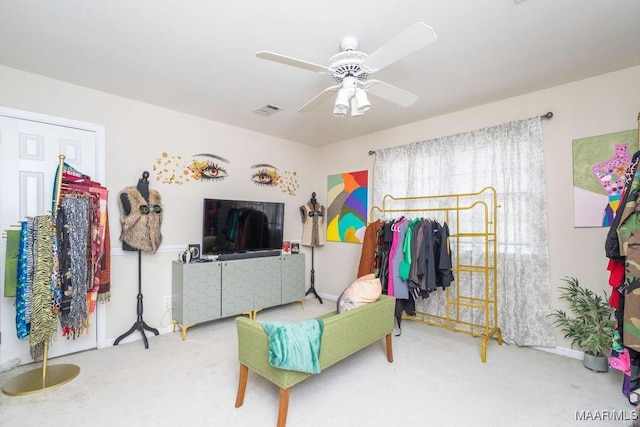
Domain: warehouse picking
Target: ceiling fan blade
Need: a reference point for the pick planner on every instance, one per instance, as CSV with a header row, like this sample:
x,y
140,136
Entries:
x,y
390,93
318,99
410,40
292,61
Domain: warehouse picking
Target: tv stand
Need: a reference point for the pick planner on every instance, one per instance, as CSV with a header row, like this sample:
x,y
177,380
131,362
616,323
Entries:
x,y
208,291
249,254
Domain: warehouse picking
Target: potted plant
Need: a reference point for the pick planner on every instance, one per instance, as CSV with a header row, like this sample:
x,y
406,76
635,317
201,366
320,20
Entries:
x,y
591,329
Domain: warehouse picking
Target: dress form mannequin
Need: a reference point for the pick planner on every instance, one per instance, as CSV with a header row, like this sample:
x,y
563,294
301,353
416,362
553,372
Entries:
x,y
312,215
140,201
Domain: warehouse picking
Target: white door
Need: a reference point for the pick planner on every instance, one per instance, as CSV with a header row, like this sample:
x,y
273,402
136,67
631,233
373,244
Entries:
x,y
29,155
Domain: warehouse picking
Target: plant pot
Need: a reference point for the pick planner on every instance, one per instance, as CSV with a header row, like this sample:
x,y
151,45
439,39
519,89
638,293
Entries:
x,y
596,363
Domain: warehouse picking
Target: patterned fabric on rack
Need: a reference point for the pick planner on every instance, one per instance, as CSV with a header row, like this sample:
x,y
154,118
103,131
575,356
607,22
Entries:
x,y
76,275
99,245
22,326
104,290
30,250
56,281
62,296
11,263
43,321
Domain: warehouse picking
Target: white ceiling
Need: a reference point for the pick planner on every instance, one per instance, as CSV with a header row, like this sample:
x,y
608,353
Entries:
x,y
198,56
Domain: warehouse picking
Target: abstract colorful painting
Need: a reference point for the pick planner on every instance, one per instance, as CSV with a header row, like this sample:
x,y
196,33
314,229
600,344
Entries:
x,y
599,166
348,204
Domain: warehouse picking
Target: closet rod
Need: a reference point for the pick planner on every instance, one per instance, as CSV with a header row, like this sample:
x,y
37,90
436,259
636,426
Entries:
x,y
547,116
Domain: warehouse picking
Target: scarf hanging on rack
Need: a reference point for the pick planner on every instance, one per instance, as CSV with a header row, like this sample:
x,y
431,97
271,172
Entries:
x,y
74,262
99,241
22,326
59,292
43,321
104,290
56,278
11,263
31,257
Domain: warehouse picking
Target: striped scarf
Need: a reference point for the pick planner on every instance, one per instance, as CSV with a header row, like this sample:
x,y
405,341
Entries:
x,y
43,321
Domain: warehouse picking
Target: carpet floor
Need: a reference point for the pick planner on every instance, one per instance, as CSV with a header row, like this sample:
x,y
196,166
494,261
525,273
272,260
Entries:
x,y
437,379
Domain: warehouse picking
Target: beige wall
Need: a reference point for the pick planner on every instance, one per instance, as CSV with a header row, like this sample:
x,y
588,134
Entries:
x,y
604,104
136,133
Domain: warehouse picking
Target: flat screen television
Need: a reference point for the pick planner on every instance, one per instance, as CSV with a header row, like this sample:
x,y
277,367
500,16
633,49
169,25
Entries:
x,y
236,226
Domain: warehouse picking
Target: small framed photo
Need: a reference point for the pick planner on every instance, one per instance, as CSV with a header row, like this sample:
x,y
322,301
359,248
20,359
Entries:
x,y
295,246
194,248
286,247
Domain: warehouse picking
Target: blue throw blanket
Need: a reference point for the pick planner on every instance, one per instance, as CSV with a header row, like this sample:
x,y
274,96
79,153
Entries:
x,y
295,346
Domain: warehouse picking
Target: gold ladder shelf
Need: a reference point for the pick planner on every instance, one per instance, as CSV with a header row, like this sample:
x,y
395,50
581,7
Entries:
x,y
471,302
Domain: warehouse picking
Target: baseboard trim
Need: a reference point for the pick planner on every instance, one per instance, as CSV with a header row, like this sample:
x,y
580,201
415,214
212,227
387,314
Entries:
x,y
568,352
322,295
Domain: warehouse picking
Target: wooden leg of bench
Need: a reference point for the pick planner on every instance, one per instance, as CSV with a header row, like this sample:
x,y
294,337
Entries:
x,y
242,385
283,408
389,349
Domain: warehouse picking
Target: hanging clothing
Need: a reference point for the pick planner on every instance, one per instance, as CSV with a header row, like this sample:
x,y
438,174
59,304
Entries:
x,y
414,259
23,291
385,239
629,238
75,260
392,253
76,184
141,226
400,289
367,256
313,233
405,265
417,279
11,263
104,289
624,279
43,320
444,276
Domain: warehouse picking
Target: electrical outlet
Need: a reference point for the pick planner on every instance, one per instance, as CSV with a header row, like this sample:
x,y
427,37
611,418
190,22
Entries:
x,y
167,301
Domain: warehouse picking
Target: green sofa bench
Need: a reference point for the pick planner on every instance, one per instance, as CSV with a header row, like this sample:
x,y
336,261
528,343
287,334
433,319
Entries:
x,y
344,334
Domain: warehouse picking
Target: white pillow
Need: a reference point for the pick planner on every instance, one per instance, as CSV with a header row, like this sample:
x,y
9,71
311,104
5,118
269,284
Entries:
x,y
364,290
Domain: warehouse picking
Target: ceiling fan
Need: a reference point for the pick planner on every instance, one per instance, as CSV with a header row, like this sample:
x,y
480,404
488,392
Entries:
x,y
351,69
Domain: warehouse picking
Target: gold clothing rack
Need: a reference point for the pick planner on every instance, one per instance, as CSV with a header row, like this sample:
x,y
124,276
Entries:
x,y
471,301
47,377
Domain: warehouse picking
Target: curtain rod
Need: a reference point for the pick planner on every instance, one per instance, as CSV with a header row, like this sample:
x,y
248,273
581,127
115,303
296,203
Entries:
x,y
544,116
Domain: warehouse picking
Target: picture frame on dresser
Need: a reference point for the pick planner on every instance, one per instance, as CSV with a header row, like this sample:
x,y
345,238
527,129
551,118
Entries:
x,y
194,248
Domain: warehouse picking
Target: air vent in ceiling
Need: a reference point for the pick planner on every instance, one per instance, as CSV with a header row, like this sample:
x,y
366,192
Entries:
x,y
267,110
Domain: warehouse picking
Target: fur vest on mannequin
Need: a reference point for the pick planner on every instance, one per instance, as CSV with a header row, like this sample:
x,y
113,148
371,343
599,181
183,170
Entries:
x,y
139,230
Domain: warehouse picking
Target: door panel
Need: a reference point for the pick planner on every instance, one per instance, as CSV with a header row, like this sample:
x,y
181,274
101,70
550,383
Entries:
x,y
29,156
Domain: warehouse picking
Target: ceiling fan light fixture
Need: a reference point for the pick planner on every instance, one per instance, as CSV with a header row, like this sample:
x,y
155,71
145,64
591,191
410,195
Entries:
x,y
342,100
361,101
339,113
355,111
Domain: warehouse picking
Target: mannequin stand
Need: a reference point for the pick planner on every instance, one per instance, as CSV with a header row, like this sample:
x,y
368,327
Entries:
x,y
139,325
312,289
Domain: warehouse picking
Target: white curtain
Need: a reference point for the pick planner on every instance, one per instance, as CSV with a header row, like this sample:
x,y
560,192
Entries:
x,y
508,157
